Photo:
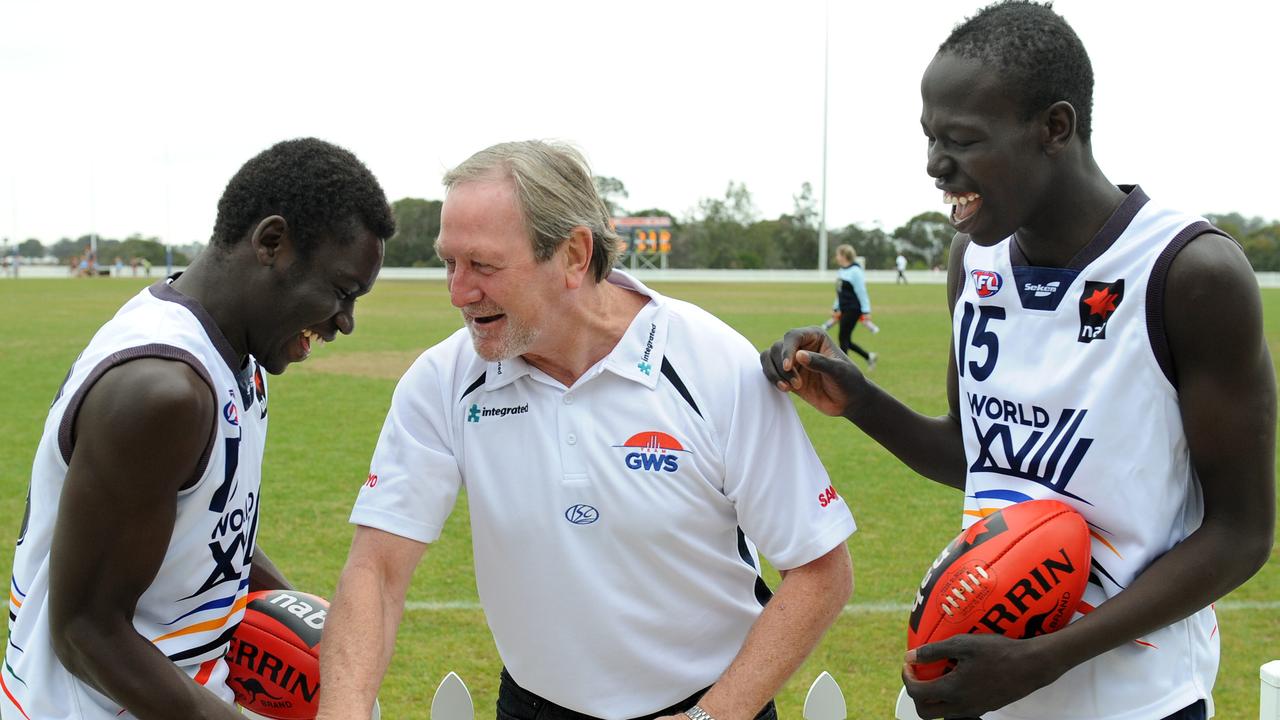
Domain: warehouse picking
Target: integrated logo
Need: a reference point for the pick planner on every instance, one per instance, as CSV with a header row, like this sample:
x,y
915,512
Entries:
x,y
230,413
652,451
1042,291
986,282
1098,301
581,514
644,365
476,412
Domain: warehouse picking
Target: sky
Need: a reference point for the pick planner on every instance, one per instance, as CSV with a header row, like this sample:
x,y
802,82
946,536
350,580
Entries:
x,y
129,117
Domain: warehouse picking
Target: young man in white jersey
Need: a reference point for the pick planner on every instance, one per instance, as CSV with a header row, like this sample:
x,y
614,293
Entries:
x,y
1106,352
623,460
137,549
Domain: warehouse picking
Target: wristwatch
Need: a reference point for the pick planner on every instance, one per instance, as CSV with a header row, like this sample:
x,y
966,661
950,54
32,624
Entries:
x,y
697,713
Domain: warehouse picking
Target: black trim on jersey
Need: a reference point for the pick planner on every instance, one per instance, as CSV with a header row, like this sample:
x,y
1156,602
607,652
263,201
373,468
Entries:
x,y
1155,294
164,291
1106,237
222,639
66,428
470,388
670,374
762,591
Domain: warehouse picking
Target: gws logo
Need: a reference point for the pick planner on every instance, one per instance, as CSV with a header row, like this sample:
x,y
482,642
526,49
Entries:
x,y
581,514
653,451
1042,290
230,413
986,282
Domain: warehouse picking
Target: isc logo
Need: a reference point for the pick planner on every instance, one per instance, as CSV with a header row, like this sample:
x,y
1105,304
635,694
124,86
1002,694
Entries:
x,y
828,496
986,282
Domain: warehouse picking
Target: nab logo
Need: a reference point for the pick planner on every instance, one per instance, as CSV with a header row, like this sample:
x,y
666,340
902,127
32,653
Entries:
x,y
230,414
1098,301
986,282
1042,290
581,514
654,451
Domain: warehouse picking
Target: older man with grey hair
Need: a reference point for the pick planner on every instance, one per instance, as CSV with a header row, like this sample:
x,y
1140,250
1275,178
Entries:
x,y
623,459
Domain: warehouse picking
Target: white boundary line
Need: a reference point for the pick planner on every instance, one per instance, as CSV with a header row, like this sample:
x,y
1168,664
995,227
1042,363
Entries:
x,y
851,609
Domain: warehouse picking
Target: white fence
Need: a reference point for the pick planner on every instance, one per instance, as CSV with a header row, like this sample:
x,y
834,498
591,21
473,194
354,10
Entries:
x,y
825,700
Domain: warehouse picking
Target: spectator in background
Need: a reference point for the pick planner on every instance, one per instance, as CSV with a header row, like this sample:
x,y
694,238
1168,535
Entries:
x,y
901,263
852,303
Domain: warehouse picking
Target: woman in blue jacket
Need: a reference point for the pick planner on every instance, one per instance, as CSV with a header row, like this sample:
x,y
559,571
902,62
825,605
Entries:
x,y
852,302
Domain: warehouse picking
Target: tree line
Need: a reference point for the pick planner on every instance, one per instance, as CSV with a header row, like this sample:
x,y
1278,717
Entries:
x,y
719,232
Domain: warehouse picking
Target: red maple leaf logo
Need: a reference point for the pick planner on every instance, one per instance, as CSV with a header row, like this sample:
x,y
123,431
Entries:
x,y
1102,302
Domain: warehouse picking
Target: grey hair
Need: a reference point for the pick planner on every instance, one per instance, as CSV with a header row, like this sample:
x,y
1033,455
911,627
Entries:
x,y
556,194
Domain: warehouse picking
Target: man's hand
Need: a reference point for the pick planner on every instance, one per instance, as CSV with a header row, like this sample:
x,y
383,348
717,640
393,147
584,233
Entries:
x,y
806,362
991,671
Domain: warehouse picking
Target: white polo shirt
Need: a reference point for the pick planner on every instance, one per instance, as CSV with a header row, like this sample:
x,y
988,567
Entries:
x,y
614,523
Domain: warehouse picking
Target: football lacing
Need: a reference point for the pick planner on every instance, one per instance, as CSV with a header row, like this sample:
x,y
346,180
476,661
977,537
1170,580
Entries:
x,y
958,596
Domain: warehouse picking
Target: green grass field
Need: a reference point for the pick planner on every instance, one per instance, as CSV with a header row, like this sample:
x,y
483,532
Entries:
x,y
326,415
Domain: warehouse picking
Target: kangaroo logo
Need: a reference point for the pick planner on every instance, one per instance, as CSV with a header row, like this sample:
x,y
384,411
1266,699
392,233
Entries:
x,y
254,688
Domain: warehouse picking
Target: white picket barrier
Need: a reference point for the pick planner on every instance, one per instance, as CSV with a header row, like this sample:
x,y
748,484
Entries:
x,y
1269,695
452,700
906,707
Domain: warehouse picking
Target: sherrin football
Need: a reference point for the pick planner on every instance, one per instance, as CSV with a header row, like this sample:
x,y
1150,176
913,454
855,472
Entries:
x,y
1019,572
274,657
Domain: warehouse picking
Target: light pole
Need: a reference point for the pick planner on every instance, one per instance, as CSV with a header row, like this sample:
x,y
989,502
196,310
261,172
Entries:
x,y
822,218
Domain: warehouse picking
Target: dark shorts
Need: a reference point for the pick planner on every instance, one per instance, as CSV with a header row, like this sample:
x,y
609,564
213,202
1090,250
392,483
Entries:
x,y
516,703
1194,711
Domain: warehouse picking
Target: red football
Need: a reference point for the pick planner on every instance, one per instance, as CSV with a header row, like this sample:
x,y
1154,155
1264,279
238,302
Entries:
x,y
274,656
1019,572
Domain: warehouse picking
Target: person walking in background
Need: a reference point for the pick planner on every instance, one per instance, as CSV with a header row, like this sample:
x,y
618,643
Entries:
x,y
852,304
901,263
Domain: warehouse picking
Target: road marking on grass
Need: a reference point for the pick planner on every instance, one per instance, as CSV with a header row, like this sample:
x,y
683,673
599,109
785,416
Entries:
x,y
869,608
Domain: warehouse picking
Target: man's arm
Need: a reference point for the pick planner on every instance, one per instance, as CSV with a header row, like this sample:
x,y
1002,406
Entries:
x,y
807,363
360,629
807,602
1227,396
138,438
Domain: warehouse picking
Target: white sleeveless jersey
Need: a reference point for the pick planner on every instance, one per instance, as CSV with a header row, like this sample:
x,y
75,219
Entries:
x,y
1067,392
198,595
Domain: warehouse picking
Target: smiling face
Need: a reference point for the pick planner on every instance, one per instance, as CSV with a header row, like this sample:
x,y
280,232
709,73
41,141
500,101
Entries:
x,y
506,296
989,163
312,298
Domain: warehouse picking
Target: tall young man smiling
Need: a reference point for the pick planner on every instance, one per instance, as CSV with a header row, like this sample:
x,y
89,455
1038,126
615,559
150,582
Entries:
x,y
1123,329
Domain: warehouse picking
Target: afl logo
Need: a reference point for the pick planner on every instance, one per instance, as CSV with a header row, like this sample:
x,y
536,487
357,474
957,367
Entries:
x,y
230,414
581,515
986,282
